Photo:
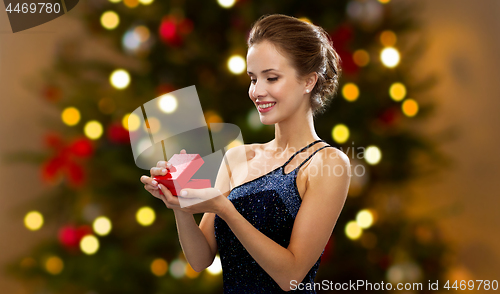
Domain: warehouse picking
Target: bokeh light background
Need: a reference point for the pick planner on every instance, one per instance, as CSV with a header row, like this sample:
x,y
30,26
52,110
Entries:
x,y
462,48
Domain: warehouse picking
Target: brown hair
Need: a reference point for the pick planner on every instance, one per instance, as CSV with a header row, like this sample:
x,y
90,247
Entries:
x,y
309,48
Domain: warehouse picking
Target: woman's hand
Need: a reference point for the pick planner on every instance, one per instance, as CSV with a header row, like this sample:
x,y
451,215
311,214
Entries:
x,y
149,182
197,200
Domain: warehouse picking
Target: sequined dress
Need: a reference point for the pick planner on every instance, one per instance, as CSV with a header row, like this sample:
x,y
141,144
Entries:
x,y
270,203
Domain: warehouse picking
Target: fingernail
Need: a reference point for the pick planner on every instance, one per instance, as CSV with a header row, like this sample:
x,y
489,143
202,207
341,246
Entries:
x,y
154,182
164,170
184,193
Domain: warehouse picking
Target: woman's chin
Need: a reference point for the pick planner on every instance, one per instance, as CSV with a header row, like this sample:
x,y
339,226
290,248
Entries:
x,y
267,122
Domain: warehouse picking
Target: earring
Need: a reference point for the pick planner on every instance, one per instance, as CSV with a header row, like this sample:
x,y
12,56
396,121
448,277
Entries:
x,y
307,91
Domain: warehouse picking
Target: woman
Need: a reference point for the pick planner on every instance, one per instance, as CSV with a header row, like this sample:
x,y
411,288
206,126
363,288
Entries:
x,y
271,228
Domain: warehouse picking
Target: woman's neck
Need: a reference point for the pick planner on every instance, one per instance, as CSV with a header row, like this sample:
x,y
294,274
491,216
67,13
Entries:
x,y
294,133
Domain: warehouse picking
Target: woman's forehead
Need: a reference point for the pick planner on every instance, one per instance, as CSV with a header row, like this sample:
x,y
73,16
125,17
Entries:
x,y
265,55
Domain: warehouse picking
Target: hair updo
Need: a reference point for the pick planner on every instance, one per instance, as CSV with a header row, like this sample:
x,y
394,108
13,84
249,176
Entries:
x,y
308,47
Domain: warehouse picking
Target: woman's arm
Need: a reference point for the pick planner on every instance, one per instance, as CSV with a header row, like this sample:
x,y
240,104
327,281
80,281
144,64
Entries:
x,y
193,242
321,206
198,242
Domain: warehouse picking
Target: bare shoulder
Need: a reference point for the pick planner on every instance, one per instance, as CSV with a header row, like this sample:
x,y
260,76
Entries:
x,y
328,175
331,163
334,155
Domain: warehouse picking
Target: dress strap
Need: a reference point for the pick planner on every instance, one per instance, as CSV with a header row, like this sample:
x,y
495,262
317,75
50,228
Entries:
x,y
317,141
313,155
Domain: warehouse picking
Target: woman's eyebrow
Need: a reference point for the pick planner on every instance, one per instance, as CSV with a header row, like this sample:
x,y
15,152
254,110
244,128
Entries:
x,y
264,71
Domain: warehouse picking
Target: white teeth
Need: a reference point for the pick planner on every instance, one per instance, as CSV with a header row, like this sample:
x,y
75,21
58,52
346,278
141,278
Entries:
x,y
264,106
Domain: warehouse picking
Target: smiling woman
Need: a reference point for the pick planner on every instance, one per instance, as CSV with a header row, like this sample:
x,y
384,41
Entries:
x,y
288,45
271,230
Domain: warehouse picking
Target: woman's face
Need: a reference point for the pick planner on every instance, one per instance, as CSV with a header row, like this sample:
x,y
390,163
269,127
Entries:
x,y
274,80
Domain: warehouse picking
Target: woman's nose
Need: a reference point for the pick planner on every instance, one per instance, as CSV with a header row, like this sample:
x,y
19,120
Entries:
x,y
258,90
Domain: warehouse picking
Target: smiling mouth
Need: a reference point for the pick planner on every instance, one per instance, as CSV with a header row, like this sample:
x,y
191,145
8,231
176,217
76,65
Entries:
x,y
266,106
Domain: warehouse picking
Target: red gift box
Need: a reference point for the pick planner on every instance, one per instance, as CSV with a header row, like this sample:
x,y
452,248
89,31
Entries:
x,y
178,177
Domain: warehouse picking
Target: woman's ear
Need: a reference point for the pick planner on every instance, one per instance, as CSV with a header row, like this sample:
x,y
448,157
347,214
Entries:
x,y
311,80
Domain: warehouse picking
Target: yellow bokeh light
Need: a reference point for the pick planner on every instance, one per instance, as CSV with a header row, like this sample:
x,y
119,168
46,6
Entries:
x,y
364,218
33,220
234,144
154,125
70,116
213,117
102,226
350,92
388,38
131,3
54,265
384,1
159,267
168,103
213,120
190,272
226,3
373,155
93,129
120,79
146,2
236,64
216,267
390,57
89,244
397,91
410,107
305,19
131,122
115,1
361,57
352,230
110,20
145,216
340,133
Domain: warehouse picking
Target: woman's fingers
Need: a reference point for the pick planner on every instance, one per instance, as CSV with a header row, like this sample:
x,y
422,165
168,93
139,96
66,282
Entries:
x,y
150,185
171,199
158,171
163,164
149,181
152,191
153,187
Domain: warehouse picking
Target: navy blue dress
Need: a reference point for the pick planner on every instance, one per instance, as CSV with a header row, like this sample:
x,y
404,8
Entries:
x,y
270,203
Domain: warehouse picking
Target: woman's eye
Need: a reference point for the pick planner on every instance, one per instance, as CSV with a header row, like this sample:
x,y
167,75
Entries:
x,y
253,81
